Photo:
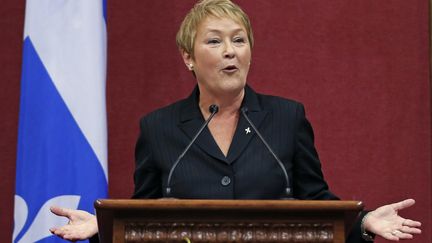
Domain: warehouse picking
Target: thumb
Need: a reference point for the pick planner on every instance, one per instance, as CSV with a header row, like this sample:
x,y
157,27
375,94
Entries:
x,y
65,212
403,204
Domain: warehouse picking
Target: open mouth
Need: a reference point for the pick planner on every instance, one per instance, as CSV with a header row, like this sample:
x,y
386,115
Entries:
x,y
230,69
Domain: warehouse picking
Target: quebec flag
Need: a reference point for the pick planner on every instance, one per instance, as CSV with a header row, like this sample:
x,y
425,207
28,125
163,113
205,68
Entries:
x,y
62,140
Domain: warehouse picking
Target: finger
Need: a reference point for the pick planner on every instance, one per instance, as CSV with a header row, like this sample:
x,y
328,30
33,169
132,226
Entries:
x,y
52,230
403,204
404,236
410,230
60,211
70,237
411,223
58,231
73,236
64,233
389,236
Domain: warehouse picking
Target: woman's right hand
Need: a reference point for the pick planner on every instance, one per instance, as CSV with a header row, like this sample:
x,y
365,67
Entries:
x,y
81,226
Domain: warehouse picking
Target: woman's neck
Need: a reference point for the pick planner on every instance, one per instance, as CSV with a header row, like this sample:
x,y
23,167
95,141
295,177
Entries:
x,y
229,103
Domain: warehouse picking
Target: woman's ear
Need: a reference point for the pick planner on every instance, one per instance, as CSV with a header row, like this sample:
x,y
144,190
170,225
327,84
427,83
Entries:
x,y
187,59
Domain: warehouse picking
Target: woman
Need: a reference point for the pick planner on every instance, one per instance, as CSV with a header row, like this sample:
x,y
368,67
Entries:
x,y
228,161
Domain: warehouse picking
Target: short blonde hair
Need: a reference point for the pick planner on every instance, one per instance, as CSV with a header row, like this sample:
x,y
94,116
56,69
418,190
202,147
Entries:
x,y
216,8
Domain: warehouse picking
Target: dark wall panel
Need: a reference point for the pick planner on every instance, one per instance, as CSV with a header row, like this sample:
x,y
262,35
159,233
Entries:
x,y
11,26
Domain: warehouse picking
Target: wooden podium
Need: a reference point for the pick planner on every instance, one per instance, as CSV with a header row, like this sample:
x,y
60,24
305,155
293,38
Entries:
x,y
171,220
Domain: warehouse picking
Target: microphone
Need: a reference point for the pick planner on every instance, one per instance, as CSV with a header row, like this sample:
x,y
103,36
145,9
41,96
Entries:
x,y
213,109
288,190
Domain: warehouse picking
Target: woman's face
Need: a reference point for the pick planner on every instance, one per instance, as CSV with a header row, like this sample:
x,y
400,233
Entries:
x,y
222,56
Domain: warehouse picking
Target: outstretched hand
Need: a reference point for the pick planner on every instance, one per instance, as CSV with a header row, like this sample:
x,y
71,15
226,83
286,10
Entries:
x,y
81,226
385,222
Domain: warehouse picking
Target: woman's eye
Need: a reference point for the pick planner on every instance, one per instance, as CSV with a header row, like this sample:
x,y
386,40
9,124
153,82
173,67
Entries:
x,y
239,40
213,41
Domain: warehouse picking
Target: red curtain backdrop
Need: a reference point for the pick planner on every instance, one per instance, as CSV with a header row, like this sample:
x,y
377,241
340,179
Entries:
x,y
360,67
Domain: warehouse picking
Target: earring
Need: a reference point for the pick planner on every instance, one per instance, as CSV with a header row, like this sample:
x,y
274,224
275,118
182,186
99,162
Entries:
x,y
190,66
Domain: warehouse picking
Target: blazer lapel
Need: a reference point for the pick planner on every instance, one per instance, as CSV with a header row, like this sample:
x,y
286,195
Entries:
x,y
244,131
191,120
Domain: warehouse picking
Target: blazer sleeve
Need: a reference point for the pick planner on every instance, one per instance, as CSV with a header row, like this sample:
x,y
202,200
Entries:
x,y
308,181
147,176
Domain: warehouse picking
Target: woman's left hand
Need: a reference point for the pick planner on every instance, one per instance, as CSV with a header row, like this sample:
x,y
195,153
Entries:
x,y
385,222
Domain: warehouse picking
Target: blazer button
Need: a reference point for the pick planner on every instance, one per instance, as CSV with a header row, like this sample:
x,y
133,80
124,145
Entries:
x,y
225,181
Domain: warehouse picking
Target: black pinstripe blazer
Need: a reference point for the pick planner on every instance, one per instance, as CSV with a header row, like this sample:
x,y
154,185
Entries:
x,y
248,171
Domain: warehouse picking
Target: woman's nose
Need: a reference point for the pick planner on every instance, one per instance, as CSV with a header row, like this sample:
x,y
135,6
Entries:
x,y
229,51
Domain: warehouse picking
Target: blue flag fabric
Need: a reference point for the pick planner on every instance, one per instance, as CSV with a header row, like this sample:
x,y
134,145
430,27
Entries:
x,y
62,140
